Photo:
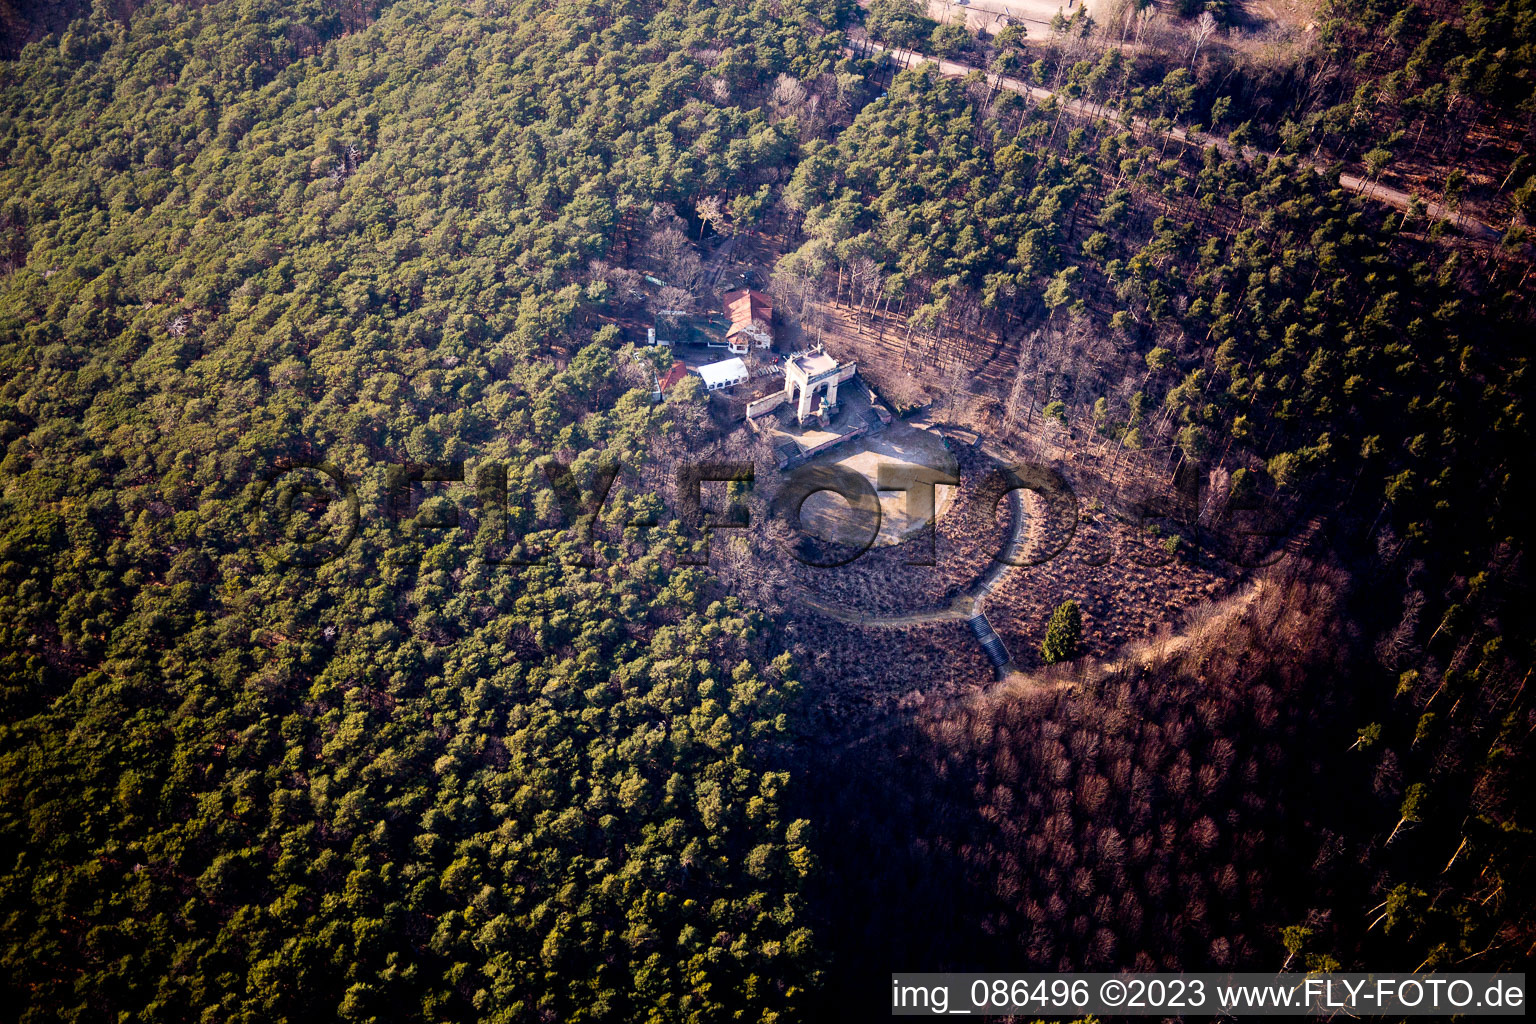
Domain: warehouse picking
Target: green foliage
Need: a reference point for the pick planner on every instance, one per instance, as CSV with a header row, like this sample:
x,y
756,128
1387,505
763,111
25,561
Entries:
x,y
900,23
1241,486
1295,938
1415,802
410,783
1160,359
949,40
1062,634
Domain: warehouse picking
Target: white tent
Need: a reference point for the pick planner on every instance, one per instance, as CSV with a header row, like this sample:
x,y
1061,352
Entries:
x,y
726,373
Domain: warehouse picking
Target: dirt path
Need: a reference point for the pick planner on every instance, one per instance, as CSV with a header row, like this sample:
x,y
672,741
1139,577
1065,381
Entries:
x,y
714,269
1395,198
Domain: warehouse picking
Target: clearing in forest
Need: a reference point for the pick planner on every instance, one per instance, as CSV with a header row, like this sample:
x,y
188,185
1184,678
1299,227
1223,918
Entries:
x,y
907,452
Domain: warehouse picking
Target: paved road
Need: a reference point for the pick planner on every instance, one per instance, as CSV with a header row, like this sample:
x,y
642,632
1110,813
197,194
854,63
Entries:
x,y
715,268
1392,197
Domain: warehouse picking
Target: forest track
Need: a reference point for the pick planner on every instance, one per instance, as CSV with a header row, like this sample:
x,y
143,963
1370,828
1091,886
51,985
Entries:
x,y
1365,188
715,268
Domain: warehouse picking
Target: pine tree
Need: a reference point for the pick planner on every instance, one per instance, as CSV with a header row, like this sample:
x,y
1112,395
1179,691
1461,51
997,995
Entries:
x,y
1062,634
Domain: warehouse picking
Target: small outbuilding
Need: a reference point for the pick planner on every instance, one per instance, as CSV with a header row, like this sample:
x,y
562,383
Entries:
x,y
724,374
678,371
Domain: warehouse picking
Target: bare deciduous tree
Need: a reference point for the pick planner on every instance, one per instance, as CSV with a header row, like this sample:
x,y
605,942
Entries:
x,y
710,212
788,97
673,302
1019,396
1200,31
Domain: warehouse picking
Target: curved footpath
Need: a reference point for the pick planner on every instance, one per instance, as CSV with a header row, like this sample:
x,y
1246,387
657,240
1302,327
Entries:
x,y
969,608
1023,532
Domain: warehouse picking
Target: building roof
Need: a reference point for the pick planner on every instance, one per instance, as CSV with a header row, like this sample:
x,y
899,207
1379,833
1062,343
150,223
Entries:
x,y
678,371
746,304
725,372
756,328
814,363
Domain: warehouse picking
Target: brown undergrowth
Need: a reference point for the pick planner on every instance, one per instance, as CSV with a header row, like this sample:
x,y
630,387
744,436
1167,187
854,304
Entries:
x,y
1158,817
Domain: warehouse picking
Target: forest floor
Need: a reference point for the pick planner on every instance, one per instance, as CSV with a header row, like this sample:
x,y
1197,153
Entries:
x,y
1025,533
907,372
1282,15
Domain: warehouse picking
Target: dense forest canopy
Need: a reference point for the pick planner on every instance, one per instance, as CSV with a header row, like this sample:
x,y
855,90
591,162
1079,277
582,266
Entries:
x,y
1253,314
408,780
482,755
